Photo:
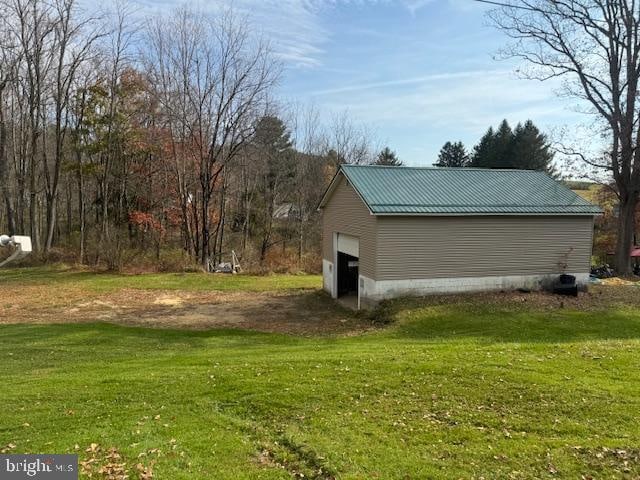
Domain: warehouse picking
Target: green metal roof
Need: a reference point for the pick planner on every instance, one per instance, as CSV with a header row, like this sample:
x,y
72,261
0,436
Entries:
x,y
463,191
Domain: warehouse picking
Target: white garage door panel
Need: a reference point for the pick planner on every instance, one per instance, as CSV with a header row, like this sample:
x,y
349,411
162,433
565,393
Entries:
x,y
349,245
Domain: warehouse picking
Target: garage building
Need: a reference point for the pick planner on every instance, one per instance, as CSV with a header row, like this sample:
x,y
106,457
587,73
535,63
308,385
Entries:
x,y
392,231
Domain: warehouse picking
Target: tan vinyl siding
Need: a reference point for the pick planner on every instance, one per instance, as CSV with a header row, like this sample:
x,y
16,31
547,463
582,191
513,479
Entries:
x,y
444,247
346,213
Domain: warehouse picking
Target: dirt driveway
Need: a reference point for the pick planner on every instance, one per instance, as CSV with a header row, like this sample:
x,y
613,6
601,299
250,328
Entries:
x,y
303,312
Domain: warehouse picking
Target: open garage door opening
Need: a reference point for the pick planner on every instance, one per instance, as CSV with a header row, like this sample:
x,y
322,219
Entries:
x,y
347,256
347,275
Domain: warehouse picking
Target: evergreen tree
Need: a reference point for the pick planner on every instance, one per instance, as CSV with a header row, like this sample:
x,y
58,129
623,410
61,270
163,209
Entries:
x,y
452,155
502,147
272,136
483,151
387,157
531,150
524,148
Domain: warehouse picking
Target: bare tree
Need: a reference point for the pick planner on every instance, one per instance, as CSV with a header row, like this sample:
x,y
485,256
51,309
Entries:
x,y
116,59
311,176
8,63
594,46
213,79
349,142
72,46
32,24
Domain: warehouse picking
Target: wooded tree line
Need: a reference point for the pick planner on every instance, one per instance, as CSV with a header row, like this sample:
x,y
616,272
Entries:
x,y
523,147
117,137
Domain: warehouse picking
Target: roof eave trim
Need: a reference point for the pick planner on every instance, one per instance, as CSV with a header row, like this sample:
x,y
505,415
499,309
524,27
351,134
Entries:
x,y
332,186
329,191
487,214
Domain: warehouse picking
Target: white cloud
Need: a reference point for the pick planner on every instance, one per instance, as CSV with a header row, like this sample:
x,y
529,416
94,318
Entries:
x,y
430,110
407,81
469,99
414,5
295,27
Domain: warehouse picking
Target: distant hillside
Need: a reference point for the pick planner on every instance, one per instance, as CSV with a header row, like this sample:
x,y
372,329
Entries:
x,y
592,194
577,185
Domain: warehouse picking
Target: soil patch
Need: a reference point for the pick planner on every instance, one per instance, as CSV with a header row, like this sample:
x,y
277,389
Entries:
x,y
304,312
298,312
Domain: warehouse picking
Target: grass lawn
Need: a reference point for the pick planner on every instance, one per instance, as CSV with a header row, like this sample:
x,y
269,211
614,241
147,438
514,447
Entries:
x,y
63,277
460,390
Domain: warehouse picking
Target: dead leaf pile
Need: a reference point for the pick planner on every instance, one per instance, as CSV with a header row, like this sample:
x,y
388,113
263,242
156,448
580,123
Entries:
x,y
110,464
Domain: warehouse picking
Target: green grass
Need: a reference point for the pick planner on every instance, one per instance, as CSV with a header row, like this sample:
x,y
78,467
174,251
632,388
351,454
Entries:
x,y
107,282
458,391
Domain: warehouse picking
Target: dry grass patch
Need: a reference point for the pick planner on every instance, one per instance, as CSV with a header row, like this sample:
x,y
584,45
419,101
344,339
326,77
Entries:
x,y
290,307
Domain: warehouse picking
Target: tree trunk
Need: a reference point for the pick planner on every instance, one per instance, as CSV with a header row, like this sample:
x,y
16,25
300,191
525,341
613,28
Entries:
x,y
204,237
103,234
246,224
626,231
51,218
19,141
11,218
81,208
266,236
69,205
4,169
221,216
33,187
33,207
300,236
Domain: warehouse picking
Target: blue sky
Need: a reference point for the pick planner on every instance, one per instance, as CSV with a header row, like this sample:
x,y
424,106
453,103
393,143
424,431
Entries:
x,y
418,72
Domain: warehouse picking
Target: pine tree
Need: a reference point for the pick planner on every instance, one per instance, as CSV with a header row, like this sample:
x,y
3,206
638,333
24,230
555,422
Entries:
x,y
502,147
272,135
387,157
452,155
483,151
531,150
524,148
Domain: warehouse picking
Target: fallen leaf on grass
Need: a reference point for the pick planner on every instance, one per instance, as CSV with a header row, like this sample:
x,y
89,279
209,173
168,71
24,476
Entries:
x,y
93,448
111,465
7,447
145,472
